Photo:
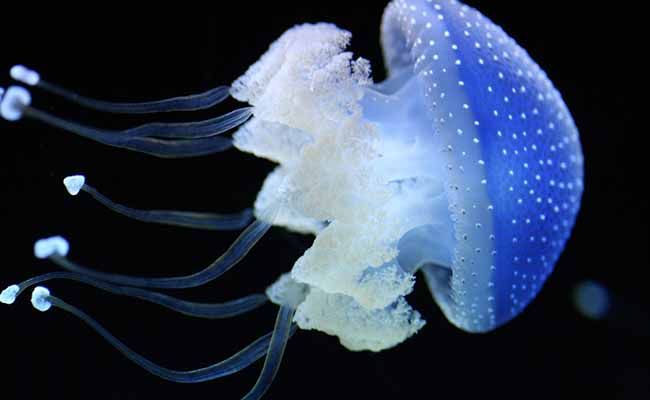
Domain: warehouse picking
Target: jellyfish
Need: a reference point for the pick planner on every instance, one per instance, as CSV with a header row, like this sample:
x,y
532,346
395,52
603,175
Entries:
x,y
464,164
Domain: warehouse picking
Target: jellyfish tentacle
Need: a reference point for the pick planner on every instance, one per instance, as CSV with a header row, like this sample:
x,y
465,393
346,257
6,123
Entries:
x,y
186,219
164,148
193,102
165,140
227,260
193,309
191,130
13,102
235,253
277,346
43,300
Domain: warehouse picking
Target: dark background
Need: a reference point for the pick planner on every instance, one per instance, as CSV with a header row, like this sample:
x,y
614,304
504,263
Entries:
x,y
550,351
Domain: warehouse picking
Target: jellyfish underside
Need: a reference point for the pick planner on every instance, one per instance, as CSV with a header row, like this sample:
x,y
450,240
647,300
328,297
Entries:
x,y
358,167
427,247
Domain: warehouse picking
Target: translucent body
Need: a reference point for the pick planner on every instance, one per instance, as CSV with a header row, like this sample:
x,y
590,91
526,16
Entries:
x,y
464,163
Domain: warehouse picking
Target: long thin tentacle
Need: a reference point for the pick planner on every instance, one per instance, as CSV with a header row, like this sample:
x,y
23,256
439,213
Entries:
x,y
187,219
281,334
193,102
42,300
193,309
199,101
191,130
235,253
164,148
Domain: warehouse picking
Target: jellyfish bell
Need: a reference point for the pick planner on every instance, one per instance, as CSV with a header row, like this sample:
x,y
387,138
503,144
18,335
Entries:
x,y
513,164
464,164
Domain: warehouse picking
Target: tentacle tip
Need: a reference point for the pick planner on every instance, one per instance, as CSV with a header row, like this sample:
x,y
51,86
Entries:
x,y
40,299
13,103
8,296
25,75
74,183
45,248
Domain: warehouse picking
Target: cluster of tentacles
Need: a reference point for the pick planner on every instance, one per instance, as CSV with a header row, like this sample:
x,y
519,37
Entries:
x,y
169,140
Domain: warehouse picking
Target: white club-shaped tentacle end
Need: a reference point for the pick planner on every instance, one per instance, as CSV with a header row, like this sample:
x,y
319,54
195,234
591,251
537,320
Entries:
x,y
24,75
74,183
44,248
14,101
8,296
40,299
